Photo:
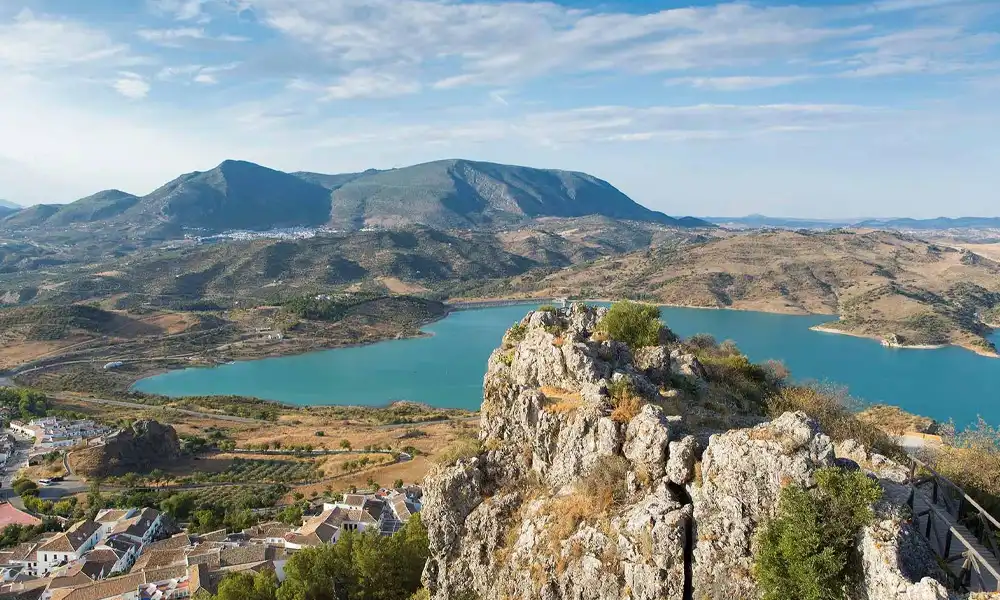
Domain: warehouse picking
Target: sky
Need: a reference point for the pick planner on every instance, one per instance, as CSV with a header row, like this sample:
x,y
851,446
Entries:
x,y
821,108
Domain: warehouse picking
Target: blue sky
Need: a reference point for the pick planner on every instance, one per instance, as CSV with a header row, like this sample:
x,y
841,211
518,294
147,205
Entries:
x,y
815,108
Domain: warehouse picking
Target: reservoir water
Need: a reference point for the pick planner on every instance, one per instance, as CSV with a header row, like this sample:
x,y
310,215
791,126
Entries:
x,y
446,369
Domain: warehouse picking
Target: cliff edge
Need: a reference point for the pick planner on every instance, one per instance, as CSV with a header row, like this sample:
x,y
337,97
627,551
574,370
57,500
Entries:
x,y
607,471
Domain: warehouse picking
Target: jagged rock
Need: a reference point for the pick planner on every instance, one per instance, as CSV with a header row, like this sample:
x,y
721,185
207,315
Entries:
x,y
139,447
654,363
646,440
897,564
682,363
653,541
680,465
743,472
879,465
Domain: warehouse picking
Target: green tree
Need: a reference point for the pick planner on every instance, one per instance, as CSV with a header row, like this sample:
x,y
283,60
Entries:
x,y
363,566
635,324
178,506
345,444
804,552
291,515
397,484
25,487
247,585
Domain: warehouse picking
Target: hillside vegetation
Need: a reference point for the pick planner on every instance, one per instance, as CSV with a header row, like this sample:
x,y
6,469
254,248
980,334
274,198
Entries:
x,y
882,284
415,260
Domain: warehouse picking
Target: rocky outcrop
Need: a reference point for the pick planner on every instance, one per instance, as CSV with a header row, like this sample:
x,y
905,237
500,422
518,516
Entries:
x,y
599,479
140,447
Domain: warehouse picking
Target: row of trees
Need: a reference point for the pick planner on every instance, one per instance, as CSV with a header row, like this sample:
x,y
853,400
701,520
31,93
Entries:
x,y
24,403
363,566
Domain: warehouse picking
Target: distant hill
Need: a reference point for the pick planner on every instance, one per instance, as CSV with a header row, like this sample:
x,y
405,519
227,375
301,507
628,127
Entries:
x,y
934,224
760,221
883,284
234,195
31,216
7,207
7,210
940,223
98,207
469,194
446,194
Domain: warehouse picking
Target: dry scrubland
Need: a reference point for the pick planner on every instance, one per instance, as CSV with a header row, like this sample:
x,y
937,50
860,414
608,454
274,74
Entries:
x,y
881,284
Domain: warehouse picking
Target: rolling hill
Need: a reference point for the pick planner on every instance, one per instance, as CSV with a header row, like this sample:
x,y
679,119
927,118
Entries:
x,y
7,208
940,223
882,284
238,195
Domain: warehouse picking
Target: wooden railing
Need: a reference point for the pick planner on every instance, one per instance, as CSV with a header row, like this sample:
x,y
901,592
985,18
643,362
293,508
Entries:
x,y
954,514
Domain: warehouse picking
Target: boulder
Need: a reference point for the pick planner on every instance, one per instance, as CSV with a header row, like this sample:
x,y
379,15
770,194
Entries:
x,y
682,457
140,447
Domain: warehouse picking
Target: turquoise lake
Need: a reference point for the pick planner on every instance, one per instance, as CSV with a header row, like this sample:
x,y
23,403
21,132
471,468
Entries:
x,y
446,369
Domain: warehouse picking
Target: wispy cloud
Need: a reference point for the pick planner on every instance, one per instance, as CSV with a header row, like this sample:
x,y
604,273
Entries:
x,y
131,85
181,10
738,83
33,42
364,83
174,36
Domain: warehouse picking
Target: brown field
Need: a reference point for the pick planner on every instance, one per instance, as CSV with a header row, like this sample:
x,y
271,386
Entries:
x,y
398,286
12,355
299,428
990,251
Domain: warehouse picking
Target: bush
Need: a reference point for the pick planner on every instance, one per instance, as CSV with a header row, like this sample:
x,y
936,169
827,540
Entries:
x,y
804,552
516,333
635,324
547,308
460,448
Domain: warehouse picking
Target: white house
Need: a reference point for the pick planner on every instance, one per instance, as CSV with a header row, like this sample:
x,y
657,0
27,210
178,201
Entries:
x,y
67,546
109,518
143,527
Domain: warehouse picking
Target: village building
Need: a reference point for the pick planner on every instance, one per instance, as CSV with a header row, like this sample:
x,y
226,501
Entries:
x,y
67,546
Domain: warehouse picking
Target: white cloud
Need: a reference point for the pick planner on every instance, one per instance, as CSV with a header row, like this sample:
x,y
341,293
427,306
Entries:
x,y
195,73
737,83
131,85
30,43
182,10
174,36
368,84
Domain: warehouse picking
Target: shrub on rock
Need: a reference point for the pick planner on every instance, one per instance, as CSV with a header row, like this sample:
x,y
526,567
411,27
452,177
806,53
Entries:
x,y
804,552
635,324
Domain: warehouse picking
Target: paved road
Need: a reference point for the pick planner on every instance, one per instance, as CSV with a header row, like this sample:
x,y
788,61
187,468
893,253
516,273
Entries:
x,y
136,405
14,463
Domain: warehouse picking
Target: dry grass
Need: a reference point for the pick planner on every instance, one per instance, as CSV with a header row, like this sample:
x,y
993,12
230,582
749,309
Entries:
x,y
560,401
894,420
626,409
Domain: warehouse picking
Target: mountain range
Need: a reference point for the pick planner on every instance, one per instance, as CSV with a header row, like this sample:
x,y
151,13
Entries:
x,y
941,223
239,195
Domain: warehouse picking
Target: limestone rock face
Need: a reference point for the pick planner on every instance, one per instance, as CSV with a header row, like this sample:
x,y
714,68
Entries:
x,y
743,472
140,447
579,495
